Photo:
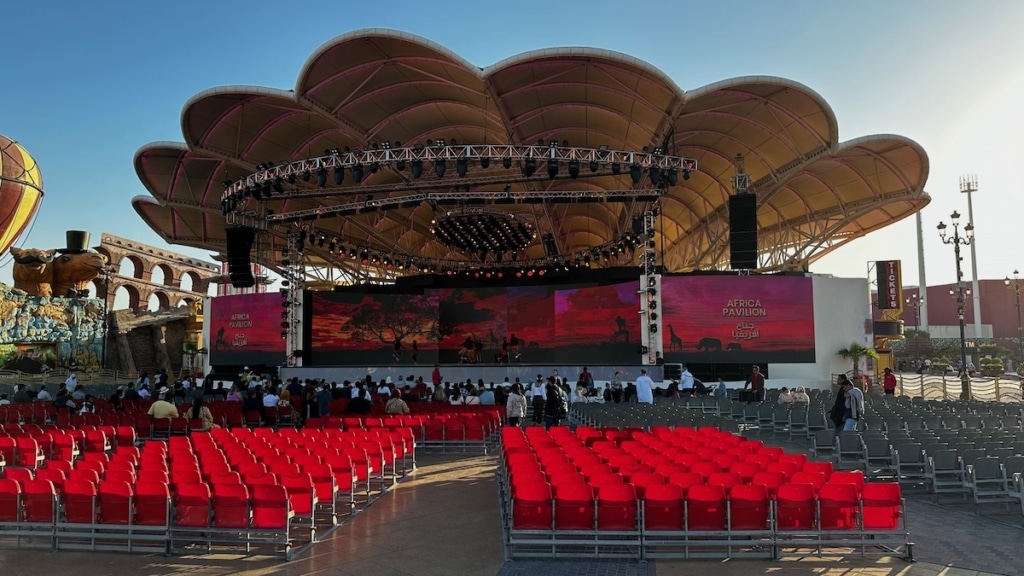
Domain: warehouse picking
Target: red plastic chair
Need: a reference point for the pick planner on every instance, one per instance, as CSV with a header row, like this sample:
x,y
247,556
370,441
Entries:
x,y
301,494
152,501
231,506
795,507
270,509
825,468
770,480
19,474
882,503
192,505
855,477
30,454
39,502
724,479
746,470
705,508
532,506
574,507
57,477
837,507
663,507
115,500
79,501
815,479
10,501
125,476
749,507
686,480
642,480
616,507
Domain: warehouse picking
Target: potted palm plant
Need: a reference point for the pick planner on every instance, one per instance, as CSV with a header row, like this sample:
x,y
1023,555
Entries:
x,y
856,352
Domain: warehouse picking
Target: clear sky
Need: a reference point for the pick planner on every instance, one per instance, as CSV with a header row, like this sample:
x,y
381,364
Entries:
x,y
85,84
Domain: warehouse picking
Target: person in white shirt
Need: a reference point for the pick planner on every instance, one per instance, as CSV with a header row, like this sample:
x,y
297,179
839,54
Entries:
x,y
43,394
645,388
72,382
537,395
785,397
4,401
144,391
270,399
686,382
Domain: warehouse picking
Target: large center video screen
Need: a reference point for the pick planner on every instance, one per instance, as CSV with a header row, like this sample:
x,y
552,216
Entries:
x,y
534,324
246,330
735,319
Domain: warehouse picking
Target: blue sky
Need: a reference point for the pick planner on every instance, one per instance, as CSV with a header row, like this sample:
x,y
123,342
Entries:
x,y
86,84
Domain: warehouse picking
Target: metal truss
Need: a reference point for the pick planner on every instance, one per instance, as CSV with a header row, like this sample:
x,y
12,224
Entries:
x,y
294,276
410,200
596,159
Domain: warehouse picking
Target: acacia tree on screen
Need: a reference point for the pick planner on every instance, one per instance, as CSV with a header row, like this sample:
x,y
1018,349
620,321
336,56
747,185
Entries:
x,y
398,318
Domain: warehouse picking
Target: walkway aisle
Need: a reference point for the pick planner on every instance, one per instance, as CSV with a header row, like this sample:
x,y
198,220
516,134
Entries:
x,y
442,521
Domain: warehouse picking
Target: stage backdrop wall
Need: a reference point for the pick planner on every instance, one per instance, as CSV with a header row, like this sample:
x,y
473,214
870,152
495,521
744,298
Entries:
x,y
842,314
246,329
737,319
575,324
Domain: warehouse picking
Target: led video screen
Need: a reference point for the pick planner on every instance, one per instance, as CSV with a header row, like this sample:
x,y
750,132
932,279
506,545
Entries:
x,y
359,329
246,329
734,319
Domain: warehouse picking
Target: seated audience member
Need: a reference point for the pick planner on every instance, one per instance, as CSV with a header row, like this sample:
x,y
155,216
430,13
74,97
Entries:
x,y
408,395
396,405
4,401
233,395
785,397
270,399
800,395
164,408
486,396
359,405
131,393
721,390
200,412
79,393
43,394
22,395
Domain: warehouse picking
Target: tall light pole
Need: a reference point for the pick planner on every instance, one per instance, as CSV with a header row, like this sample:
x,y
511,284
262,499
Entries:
x,y
969,185
106,274
1015,286
957,241
914,301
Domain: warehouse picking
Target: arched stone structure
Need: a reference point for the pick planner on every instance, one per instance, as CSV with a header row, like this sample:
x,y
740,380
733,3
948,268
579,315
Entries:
x,y
146,259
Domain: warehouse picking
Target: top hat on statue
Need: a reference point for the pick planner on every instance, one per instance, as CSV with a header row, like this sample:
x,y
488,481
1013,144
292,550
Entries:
x,y
77,242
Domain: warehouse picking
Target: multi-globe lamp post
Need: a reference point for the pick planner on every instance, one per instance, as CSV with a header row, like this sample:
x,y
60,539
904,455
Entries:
x,y
957,241
914,301
1015,285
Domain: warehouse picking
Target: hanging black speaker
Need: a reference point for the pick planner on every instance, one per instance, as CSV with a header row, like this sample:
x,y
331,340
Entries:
x,y
743,232
239,247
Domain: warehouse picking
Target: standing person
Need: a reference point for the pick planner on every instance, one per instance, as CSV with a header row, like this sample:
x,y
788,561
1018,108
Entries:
x,y
415,352
889,382
537,392
556,405
398,349
435,376
836,414
644,388
686,382
515,408
854,406
756,384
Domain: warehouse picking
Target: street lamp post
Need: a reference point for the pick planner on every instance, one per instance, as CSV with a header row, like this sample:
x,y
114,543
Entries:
x,y
915,302
1015,286
957,241
106,274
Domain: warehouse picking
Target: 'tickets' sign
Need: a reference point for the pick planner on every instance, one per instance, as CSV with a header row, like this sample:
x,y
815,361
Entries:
x,y
890,285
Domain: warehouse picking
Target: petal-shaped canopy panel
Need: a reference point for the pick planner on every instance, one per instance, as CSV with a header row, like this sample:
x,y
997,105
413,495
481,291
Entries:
x,y
377,86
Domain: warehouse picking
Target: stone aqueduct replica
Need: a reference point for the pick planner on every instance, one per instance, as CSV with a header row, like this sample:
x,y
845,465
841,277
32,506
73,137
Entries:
x,y
153,339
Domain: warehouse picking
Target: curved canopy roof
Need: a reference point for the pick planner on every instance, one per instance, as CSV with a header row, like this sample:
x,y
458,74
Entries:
x,y
814,192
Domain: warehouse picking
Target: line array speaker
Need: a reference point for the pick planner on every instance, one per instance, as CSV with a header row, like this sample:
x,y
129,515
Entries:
x,y
743,232
239,242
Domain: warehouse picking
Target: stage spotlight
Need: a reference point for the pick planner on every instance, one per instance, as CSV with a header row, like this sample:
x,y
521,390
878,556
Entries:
x,y
284,325
593,166
686,174
655,174
635,173
439,168
278,185
339,175
485,162
284,334
652,281
506,163
616,168
552,168
461,167
374,167
306,175
652,291
357,173
653,316
641,349
673,177
574,169
652,305
417,168
400,165
653,328
529,167
321,177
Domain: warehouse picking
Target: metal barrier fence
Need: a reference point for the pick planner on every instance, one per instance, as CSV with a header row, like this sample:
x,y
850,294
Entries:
x,y
947,387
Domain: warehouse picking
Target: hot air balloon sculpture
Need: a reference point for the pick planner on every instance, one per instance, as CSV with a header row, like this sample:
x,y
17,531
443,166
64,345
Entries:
x,y
21,191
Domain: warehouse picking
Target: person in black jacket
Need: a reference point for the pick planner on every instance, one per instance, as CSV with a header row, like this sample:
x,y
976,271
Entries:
x,y
838,413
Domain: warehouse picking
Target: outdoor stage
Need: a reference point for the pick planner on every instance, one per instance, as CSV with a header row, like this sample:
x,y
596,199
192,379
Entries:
x,y
461,372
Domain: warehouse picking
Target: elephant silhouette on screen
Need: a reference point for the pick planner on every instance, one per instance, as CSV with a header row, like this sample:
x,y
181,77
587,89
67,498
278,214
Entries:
x,y
710,345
